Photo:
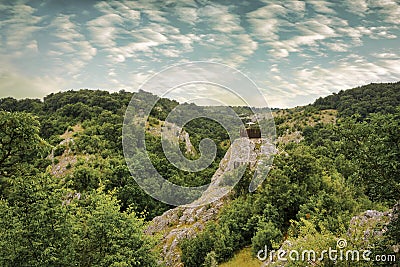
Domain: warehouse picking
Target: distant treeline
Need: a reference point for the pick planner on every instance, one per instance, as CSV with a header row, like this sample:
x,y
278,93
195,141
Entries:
x,y
363,100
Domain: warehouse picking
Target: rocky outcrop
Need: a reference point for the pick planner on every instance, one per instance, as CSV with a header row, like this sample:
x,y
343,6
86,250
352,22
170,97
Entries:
x,y
365,224
60,166
174,133
185,222
184,136
180,223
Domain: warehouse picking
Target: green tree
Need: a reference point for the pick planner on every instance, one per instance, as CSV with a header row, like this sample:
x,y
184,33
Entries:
x,y
107,237
373,147
210,260
35,226
42,224
20,142
267,235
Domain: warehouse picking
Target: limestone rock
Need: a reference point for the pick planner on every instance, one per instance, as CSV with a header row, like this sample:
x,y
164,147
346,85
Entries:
x,y
185,222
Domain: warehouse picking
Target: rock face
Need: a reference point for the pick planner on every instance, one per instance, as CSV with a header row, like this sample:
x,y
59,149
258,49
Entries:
x,y
185,222
180,223
174,133
65,160
184,136
366,224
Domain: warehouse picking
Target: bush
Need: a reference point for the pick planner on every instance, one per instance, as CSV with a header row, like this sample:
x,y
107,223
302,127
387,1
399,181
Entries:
x,y
267,235
59,150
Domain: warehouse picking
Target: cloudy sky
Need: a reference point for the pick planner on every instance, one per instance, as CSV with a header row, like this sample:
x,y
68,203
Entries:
x,y
294,51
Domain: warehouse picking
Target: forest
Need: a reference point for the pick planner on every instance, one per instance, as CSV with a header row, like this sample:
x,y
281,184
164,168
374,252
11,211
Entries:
x,y
68,198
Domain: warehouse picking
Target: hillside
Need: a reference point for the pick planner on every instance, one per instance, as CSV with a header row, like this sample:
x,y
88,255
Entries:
x,y
319,124
68,197
371,98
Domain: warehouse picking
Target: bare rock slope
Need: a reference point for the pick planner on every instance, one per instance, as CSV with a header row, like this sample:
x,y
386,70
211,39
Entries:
x,y
185,222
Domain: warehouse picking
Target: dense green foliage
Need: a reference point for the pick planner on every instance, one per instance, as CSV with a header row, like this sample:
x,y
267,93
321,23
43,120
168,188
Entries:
x,y
67,197
304,184
366,153
44,222
91,212
20,143
100,114
319,184
371,98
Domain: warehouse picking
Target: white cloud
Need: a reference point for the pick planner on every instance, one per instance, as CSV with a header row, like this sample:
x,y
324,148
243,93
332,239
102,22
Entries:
x,y
269,23
137,79
244,46
274,68
265,23
317,25
236,47
19,29
313,34
380,32
219,18
157,40
322,6
103,30
393,65
72,44
146,39
185,40
349,72
389,10
265,29
185,10
358,7
310,34
374,32
155,33
338,46
65,29
33,46
295,5
386,55
169,52
156,16
123,9
187,14
278,52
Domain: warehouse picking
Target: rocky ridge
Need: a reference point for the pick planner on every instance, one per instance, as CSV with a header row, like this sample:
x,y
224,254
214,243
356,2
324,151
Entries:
x,y
185,222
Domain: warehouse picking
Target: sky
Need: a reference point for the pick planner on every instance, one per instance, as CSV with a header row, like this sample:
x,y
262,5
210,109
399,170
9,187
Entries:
x,y
294,51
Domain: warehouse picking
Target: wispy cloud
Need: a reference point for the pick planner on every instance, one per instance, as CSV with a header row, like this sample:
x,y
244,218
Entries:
x,y
19,27
265,23
349,72
103,30
358,7
219,18
389,9
294,49
71,45
322,6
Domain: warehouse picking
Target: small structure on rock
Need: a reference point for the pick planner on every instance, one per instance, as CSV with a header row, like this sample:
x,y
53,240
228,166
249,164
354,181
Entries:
x,y
252,130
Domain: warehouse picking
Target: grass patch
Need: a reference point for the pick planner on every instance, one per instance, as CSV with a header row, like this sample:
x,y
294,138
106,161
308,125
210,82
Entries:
x,y
71,130
243,258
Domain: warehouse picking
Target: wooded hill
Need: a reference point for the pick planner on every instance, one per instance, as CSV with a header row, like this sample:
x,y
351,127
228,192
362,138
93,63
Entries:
x,y
363,100
67,197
